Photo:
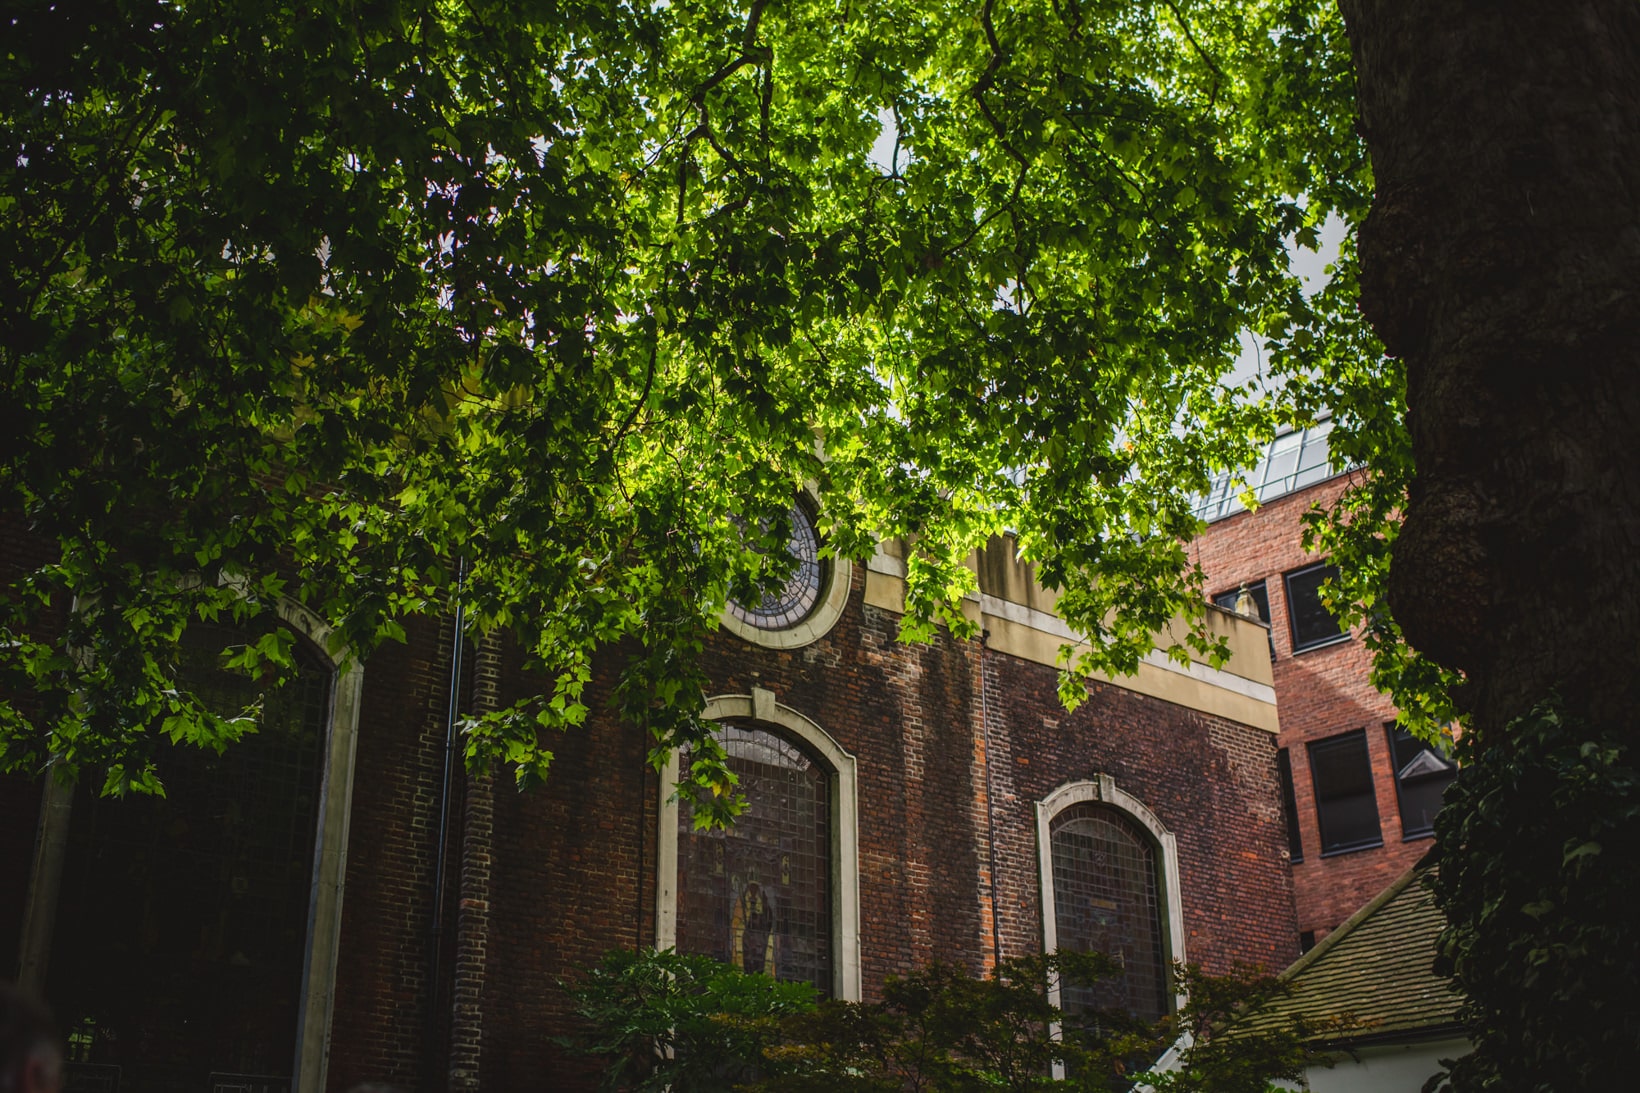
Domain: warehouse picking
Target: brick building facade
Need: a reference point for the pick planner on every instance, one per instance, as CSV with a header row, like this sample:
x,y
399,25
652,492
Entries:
x,y
1344,762
956,752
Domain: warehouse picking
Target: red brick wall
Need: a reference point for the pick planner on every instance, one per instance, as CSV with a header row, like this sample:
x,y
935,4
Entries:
x,y
380,1031
571,864
569,856
1320,693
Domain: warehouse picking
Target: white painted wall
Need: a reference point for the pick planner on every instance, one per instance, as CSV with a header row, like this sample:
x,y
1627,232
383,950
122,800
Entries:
x,y
1396,1068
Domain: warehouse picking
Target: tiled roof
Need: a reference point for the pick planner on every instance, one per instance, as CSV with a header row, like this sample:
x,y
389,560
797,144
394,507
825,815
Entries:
x,y
1372,978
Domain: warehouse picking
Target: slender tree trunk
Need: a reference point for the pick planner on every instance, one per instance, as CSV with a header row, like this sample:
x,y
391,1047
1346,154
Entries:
x,y
1502,262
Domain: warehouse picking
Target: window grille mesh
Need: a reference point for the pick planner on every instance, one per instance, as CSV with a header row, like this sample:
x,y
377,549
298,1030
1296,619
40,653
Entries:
x,y
758,896
1105,900
797,598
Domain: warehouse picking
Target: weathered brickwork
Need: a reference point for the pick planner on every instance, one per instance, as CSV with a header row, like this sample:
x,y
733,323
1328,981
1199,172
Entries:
x,y
381,1026
1320,693
568,884
955,745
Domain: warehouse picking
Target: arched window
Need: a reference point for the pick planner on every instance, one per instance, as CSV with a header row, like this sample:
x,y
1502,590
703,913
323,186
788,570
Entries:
x,y
758,895
182,928
1104,884
778,892
274,809
1110,883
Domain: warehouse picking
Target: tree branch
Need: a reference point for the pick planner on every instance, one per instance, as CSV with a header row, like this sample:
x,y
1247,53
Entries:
x,y
1207,58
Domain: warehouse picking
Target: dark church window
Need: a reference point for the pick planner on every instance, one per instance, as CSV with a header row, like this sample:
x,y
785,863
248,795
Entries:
x,y
1105,900
1421,777
1345,801
758,895
182,920
1312,623
796,599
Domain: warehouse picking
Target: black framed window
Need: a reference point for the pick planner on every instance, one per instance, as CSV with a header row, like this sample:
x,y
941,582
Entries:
x,y
1261,597
1312,623
1421,777
1289,805
1345,804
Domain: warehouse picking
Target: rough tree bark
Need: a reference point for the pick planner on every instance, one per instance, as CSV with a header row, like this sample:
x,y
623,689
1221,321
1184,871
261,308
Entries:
x,y
1501,261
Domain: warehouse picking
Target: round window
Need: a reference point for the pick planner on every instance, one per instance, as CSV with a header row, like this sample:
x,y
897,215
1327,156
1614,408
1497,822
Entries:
x,y
794,601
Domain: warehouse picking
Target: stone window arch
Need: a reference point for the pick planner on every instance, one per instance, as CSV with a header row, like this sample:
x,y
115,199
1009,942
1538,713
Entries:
x,y
1110,881
780,894
338,724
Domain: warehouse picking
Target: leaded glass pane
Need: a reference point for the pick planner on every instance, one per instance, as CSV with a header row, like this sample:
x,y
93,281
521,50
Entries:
x,y
758,895
1105,900
797,598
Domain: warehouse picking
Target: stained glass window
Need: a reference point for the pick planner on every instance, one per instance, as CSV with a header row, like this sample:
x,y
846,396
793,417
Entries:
x,y
758,895
1105,900
796,599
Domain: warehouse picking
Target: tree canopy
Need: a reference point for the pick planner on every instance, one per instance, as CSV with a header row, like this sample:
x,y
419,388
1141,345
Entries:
x,y
324,301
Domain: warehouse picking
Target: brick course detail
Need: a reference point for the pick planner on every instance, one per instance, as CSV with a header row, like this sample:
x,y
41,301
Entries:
x,y
1320,693
542,883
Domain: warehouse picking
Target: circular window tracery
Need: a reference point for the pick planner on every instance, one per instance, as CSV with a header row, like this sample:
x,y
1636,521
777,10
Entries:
x,y
808,604
797,598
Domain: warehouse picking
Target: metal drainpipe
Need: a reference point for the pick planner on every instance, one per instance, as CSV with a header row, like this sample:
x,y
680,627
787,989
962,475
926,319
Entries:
x,y
990,799
643,838
442,832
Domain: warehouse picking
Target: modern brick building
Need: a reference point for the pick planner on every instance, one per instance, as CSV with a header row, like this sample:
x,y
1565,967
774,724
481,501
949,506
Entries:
x,y
1360,794
318,910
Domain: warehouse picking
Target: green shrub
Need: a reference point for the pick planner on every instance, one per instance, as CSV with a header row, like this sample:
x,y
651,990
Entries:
x,y
686,1023
1539,844
672,1021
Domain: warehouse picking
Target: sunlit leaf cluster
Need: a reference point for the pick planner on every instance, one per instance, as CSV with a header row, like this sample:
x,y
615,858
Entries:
x,y
325,301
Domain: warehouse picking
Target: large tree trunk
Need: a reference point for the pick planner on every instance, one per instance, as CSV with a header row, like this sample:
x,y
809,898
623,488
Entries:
x,y
1502,262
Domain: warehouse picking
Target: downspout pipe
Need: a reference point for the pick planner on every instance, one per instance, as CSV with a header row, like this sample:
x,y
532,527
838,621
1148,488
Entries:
x,y
990,797
442,831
